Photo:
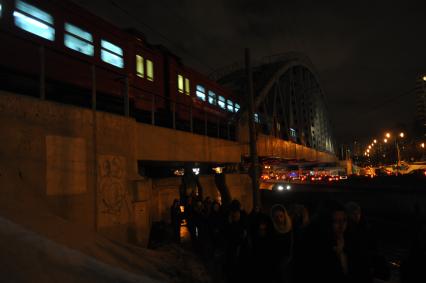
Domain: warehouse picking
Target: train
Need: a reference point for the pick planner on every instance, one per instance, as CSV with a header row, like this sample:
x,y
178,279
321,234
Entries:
x,y
57,49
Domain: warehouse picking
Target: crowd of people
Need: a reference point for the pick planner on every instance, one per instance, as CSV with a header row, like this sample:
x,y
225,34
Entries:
x,y
332,243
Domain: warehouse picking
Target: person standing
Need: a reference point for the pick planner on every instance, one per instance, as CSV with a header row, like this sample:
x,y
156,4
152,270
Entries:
x,y
282,240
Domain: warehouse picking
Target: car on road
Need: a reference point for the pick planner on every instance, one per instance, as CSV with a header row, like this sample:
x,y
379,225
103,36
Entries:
x,y
316,178
281,187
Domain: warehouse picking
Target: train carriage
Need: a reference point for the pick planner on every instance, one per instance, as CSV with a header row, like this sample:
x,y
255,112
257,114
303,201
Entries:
x,y
63,52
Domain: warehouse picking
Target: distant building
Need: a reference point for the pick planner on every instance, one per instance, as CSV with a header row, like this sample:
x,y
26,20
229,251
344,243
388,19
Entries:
x,y
357,149
420,116
344,152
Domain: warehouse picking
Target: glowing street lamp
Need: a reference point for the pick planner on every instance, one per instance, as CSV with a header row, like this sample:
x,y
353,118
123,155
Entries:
x,y
368,150
385,140
422,145
401,135
388,135
375,141
424,78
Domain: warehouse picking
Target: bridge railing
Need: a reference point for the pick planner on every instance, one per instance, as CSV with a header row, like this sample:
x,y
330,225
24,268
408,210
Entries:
x,y
104,89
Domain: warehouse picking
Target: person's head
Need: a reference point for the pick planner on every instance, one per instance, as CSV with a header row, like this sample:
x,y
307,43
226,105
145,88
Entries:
x,y
198,207
235,215
280,218
256,209
208,200
299,215
279,214
176,203
334,218
215,206
354,212
262,226
262,229
235,204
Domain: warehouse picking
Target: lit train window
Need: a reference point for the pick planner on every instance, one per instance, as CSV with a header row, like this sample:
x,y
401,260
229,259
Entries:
x,y
0,10
112,54
230,105
201,92
237,107
79,40
212,98
180,83
256,118
187,90
140,72
149,70
34,20
221,102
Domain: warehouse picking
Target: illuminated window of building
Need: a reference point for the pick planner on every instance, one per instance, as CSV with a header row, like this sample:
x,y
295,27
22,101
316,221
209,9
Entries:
x,y
187,90
292,132
34,20
79,40
180,83
212,97
140,71
237,107
0,10
112,54
200,92
256,118
149,70
221,102
230,105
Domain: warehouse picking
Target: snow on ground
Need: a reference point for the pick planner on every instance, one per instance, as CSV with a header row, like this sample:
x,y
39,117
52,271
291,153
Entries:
x,y
37,246
28,257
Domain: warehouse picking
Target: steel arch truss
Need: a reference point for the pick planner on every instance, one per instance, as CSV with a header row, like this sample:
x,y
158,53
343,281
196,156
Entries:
x,y
291,106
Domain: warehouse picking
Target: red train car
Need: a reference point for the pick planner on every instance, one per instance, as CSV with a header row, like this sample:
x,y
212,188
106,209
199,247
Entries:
x,y
70,52
67,45
193,91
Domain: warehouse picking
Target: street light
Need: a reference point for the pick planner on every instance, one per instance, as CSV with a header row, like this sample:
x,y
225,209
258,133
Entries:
x,y
401,135
422,145
375,141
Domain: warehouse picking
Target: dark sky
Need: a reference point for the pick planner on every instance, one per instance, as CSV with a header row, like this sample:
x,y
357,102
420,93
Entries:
x,y
366,53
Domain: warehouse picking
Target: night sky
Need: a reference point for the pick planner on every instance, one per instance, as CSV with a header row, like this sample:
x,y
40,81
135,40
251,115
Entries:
x,y
367,54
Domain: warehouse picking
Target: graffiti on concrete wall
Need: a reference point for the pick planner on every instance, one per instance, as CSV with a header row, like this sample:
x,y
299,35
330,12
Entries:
x,y
113,203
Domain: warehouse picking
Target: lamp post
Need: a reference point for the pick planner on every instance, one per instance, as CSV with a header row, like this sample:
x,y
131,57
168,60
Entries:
x,y
398,152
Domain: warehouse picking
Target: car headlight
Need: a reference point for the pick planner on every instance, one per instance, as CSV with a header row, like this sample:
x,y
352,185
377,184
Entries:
x,y
280,188
288,187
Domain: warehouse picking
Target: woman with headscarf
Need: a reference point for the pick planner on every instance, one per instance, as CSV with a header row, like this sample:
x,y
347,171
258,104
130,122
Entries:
x,y
282,243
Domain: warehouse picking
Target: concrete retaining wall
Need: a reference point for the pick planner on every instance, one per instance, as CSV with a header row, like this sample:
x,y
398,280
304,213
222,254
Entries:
x,y
83,164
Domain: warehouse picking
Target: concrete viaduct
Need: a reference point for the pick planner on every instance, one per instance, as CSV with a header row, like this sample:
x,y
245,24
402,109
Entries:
x,y
83,164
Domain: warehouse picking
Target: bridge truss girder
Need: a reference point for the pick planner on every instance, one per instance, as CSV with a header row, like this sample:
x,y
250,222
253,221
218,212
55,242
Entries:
x,y
291,106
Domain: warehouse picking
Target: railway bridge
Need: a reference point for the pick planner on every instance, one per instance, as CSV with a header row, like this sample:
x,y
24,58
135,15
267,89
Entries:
x,y
114,174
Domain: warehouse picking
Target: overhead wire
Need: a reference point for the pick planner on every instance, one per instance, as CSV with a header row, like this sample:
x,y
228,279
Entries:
x,y
125,11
